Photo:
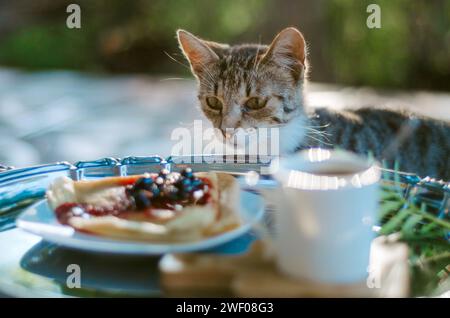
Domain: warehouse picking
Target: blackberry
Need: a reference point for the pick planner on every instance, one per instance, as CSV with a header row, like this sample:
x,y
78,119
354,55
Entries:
x,y
184,195
141,200
197,184
143,184
187,173
166,189
155,189
188,189
182,183
129,190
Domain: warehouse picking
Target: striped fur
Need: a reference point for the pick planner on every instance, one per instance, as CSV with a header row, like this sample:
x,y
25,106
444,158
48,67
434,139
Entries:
x,y
418,144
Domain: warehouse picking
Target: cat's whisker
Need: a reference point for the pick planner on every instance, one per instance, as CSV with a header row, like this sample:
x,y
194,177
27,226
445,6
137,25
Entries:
x,y
319,132
207,72
206,80
306,127
211,78
319,135
311,128
320,126
288,68
175,79
176,61
319,141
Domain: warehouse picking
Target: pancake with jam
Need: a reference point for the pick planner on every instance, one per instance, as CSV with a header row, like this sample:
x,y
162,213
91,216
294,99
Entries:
x,y
163,207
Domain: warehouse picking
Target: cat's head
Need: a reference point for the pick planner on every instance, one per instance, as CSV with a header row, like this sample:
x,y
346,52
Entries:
x,y
249,86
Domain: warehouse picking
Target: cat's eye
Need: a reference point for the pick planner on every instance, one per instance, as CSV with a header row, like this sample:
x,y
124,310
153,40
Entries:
x,y
255,103
214,103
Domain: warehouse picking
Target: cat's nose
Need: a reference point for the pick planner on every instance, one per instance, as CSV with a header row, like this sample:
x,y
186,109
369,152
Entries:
x,y
226,134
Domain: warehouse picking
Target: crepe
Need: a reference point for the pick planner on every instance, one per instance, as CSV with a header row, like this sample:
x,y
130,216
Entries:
x,y
192,223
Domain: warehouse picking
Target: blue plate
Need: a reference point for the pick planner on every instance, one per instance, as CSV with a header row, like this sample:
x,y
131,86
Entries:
x,y
40,219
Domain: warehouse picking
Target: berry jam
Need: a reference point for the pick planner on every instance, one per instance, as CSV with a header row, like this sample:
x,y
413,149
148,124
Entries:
x,y
67,210
146,195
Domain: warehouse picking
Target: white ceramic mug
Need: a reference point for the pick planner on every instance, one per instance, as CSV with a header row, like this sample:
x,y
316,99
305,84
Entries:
x,y
327,203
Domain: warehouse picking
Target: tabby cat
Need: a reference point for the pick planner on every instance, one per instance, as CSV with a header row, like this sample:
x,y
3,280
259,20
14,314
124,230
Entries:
x,y
250,86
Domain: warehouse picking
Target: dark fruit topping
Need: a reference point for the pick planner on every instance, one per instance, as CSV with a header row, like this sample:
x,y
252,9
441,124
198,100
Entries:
x,y
172,192
197,183
144,183
163,173
187,173
155,189
168,190
142,200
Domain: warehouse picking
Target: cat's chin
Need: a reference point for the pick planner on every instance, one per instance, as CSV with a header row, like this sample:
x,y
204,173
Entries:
x,y
243,143
292,134
254,142
287,139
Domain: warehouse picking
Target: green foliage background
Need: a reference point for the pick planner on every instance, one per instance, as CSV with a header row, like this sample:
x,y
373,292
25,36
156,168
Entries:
x,y
411,50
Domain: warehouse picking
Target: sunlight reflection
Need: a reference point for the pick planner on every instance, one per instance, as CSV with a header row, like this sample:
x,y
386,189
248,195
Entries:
x,y
327,181
318,154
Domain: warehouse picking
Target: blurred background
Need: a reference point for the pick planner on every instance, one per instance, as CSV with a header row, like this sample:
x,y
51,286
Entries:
x,y
118,86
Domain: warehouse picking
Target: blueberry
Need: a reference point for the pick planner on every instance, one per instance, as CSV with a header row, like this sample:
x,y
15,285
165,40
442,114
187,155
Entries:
x,y
186,182
188,189
187,173
183,183
155,189
141,200
197,183
178,185
143,184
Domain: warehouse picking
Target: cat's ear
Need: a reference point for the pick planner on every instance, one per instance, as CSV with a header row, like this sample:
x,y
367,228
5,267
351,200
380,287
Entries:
x,y
197,51
287,47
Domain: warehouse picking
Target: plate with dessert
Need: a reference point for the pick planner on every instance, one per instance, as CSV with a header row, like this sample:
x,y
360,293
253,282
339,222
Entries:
x,y
152,213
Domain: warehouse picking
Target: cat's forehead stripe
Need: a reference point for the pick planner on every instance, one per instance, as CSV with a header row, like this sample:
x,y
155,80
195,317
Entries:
x,y
236,72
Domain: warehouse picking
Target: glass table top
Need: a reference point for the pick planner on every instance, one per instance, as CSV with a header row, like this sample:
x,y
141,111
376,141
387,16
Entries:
x,y
30,267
